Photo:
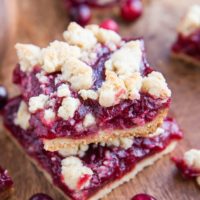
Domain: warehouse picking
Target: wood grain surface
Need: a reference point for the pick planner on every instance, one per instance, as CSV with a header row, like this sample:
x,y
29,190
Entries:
x,y
42,21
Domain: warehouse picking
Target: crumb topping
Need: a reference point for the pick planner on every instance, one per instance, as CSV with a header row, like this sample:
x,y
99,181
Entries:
x,y
23,116
156,85
77,35
78,150
49,115
192,158
112,90
37,103
88,94
133,85
55,55
127,60
63,90
29,55
42,77
157,132
123,79
124,143
103,35
73,171
88,120
68,108
191,21
78,73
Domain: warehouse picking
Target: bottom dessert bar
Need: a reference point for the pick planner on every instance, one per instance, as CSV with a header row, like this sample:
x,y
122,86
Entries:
x,y
6,184
101,167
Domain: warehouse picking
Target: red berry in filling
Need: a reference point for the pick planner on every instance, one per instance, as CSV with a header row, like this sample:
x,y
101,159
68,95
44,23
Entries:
x,y
143,197
80,13
3,96
40,196
131,9
110,25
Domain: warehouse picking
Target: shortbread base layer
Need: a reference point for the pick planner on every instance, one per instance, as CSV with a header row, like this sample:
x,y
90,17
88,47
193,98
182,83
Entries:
x,y
105,136
186,58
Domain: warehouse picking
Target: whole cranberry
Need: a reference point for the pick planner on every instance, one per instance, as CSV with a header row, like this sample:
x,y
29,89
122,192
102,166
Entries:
x,y
40,196
80,13
3,96
131,9
143,197
110,25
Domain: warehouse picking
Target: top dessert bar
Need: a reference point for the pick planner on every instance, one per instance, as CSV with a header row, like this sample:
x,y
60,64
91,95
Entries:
x,y
187,46
93,87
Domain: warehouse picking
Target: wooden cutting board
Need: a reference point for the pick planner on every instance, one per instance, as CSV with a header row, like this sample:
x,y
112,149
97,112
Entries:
x,y
42,21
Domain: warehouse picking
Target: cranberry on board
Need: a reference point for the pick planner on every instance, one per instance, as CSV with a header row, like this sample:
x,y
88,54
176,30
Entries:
x,y
40,196
80,13
131,9
3,96
143,197
80,10
110,25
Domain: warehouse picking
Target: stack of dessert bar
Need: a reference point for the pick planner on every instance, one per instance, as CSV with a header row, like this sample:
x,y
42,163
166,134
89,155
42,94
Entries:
x,y
92,112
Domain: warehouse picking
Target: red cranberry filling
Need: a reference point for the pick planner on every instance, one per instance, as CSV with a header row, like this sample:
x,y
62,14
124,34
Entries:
x,y
40,196
107,163
143,197
126,114
185,170
189,45
5,180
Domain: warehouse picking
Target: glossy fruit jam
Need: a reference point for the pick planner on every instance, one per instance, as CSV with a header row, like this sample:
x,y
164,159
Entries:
x,y
189,45
126,114
107,163
5,180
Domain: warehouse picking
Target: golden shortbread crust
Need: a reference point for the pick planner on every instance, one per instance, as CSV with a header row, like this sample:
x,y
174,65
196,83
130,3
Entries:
x,y
186,58
104,136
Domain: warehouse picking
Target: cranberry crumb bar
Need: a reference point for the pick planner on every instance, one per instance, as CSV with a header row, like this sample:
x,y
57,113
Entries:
x,y
189,165
89,172
92,88
186,46
6,184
